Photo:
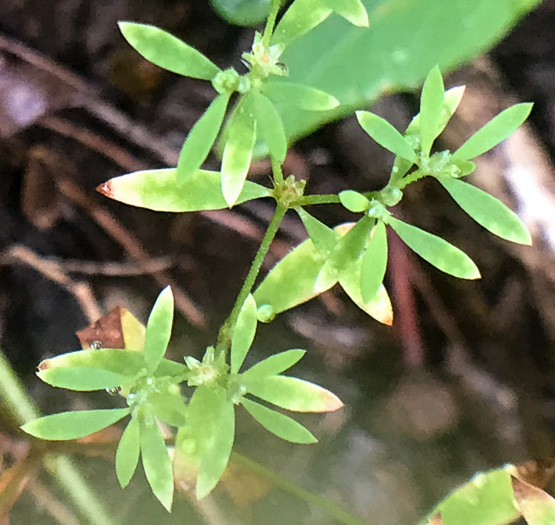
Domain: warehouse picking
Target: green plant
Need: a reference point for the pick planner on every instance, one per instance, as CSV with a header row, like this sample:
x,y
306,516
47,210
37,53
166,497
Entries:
x,y
353,255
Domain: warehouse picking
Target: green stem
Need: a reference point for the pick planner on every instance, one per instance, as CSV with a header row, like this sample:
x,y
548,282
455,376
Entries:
x,y
341,515
270,23
79,491
319,199
23,409
14,396
409,179
277,171
226,331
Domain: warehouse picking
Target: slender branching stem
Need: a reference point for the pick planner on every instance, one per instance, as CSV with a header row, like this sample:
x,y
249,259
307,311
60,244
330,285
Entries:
x,y
319,199
270,23
412,177
277,171
227,329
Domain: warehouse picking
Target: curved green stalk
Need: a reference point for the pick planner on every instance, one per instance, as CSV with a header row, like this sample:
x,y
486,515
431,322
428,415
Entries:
x,y
341,515
227,329
277,171
319,199
270,23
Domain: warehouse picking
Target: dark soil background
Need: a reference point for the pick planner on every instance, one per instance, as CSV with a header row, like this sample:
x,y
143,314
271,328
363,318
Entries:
x,y
465,380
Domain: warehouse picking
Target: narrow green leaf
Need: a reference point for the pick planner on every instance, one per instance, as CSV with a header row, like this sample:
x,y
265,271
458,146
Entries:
x,y
300,18
354,201
243,333
537,507
494,132
127,453
293,394
167,51
352,10
216,456
158,329
386,135
275,364
73,425
201,138
238,149
114,360
374,263
270,126
349,248
281,425
83,378
452,99
487,211
158,190
299,95
323,237
431,106
156,462
436,251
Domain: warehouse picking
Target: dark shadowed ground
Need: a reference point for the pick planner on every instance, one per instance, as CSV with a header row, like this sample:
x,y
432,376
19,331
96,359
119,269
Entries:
x,y
465,380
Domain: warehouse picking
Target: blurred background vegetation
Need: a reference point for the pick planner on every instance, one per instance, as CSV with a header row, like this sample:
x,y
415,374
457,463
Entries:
x,y
465,379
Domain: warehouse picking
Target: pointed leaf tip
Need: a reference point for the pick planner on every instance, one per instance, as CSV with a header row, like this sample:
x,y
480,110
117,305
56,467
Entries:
x,y
106,189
